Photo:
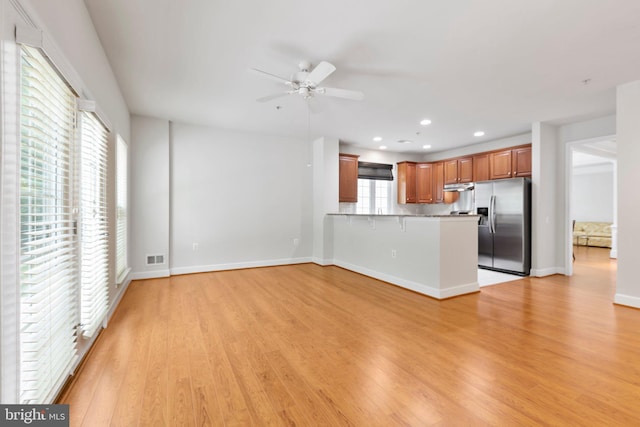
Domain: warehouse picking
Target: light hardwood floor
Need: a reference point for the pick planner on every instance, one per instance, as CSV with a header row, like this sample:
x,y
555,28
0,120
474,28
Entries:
x,y
307,345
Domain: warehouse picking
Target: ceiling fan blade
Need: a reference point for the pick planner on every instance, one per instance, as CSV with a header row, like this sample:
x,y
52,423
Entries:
x,y
341,93
270,76
274,96
321,72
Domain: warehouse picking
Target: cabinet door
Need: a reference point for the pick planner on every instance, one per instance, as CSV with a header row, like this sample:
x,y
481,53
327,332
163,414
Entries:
x,y
451,171
406,182
521,159
348,190
465,169
500,164
438,182
424,182
481,167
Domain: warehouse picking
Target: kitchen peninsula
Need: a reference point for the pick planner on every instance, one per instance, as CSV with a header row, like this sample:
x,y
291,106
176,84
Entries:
x,y
436,255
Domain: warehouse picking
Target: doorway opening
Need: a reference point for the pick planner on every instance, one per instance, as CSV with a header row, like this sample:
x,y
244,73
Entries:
x,y
591,209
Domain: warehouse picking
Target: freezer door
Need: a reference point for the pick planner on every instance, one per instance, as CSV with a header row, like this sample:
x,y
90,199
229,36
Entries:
x,y
485,246
511,241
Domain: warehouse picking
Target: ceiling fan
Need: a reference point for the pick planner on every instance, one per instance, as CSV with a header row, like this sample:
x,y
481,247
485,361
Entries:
x,y
305,83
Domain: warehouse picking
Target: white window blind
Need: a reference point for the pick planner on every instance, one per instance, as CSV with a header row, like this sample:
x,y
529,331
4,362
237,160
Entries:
x,y
93,224
121,209
48,268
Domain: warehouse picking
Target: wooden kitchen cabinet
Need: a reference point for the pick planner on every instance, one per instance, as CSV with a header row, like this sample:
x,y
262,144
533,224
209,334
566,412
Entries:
x,y
521,161
348,190
424,183
438,182
458,170
510,163
407,183
481,167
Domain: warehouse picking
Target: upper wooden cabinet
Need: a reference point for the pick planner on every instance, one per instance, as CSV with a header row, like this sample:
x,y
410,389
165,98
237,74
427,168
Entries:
x,y
407,183
424,176
521,161
348,191
458,170
481,167
510,163
438,182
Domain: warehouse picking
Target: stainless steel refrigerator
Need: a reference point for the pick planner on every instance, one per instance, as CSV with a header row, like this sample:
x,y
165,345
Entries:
x,y
504,228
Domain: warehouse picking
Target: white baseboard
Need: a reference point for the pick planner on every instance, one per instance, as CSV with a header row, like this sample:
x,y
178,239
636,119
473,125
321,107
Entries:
x,y
121,290
543,272
627,300
155,274
238,265
613,254
408,284
322,262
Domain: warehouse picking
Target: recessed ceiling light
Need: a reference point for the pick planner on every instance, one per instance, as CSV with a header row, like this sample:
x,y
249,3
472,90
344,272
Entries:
x,y
425,122
404,141
377,138
383,147
426,147
479,133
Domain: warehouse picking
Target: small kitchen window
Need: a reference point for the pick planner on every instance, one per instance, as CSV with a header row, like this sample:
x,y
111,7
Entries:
x,y
374,188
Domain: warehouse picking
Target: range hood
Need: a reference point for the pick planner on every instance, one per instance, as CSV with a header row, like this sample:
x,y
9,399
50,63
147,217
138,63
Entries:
x,y
459,187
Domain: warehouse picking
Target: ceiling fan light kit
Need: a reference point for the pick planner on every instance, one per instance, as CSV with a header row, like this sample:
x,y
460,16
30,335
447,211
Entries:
x,y
305,83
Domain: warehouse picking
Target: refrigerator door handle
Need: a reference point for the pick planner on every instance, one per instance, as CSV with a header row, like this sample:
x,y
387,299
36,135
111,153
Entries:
x,y
492,215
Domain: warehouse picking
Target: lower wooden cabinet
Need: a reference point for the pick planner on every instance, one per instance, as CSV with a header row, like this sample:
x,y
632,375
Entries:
x,y
348,173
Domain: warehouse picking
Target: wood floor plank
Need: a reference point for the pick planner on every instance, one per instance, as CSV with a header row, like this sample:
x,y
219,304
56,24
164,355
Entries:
x,y
310,345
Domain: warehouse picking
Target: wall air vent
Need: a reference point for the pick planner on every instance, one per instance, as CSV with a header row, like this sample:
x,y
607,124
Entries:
x,y
155,259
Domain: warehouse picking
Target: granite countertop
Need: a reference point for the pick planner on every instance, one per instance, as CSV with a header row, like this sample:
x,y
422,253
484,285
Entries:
x,y
411,215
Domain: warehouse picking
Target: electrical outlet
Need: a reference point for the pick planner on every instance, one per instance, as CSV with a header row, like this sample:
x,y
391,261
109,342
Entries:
x,y
393,253
195,247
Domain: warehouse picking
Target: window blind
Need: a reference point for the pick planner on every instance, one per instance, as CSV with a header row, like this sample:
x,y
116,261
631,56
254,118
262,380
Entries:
x,y
376,171
121,209
48,268
93,224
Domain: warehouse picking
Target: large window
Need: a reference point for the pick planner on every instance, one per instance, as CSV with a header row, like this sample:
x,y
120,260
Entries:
x,y
64,233
48,267
121,209
93,227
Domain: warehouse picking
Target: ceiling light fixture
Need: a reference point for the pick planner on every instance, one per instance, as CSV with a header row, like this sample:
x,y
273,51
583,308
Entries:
x,y
383,147
425,122
404,141
377,138
479,133
426,147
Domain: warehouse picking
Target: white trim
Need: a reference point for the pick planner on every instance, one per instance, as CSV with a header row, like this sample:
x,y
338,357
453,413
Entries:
x,y
550,271
321,262
238,265
627,300
150,274
123,277
116,301
411,285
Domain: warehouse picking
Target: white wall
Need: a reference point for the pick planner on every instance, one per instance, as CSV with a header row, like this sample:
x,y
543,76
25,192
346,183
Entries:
x,y
592,193
149,185
326,172
628,139
241,198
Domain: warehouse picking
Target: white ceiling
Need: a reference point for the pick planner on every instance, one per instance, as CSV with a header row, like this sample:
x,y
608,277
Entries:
x,y
492,65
